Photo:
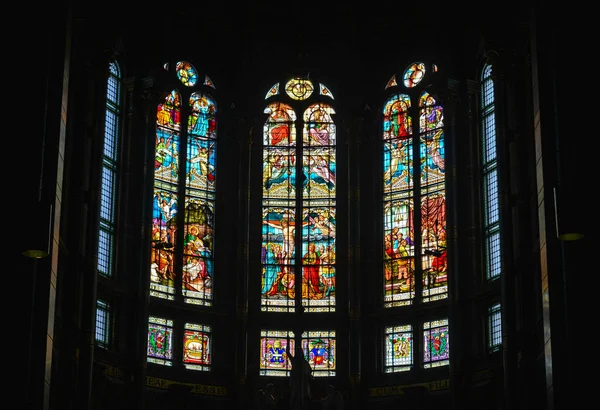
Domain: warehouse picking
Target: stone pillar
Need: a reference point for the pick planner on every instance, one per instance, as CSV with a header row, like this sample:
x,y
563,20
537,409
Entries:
x,y
506,168
86,191
40,196
245,141
354,150
140,107
560,158
449,100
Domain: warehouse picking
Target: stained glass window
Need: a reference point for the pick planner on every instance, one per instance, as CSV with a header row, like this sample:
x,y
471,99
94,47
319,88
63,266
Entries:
x,y
183,208
436,344
274,345
186,73
197,345
325,91
392,82
103,324
413,74
491,213
208,82
398,348
398,201
160,341
298,203
106,234
272,91
299,88
433,199
319,347
494,327
414,192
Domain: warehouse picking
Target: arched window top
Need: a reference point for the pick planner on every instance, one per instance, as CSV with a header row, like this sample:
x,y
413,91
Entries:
x,y
432,115
321,128
169,111
416,74
486,72
277,131
397,103
203,110
299,88
413,74
413,225
186,73
299,194
200,98
319,113
114,69
426,100
280,112
113,93
487,87
185,189
397,123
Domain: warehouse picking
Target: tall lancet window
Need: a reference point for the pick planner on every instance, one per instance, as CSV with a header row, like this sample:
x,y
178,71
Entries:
x,y
299,199
491,213
108,183
183,214
414,191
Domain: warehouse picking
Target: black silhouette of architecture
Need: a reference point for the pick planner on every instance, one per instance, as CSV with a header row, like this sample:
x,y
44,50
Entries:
x,y
391,188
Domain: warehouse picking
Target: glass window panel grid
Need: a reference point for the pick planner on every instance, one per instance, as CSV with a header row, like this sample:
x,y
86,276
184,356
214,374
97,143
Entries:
x,y
109,172
491,200
494,328
197,347
113,89
281,188
274,345
433,239
279,172
111,129
201,165
489,138
107,196
103,324
196,156
319,347
398,248
487,87
493,256
436,344
397,160
164,240
105,252
318,257
399,184
398,349
160,341
491,210
319,168
277,259
198,268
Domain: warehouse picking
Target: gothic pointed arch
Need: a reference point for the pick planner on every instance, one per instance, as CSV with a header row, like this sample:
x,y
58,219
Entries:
x,y
181,266
298,269
413,229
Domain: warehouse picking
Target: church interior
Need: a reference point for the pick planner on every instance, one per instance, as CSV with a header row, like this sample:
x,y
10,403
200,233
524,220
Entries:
x,y
215,190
